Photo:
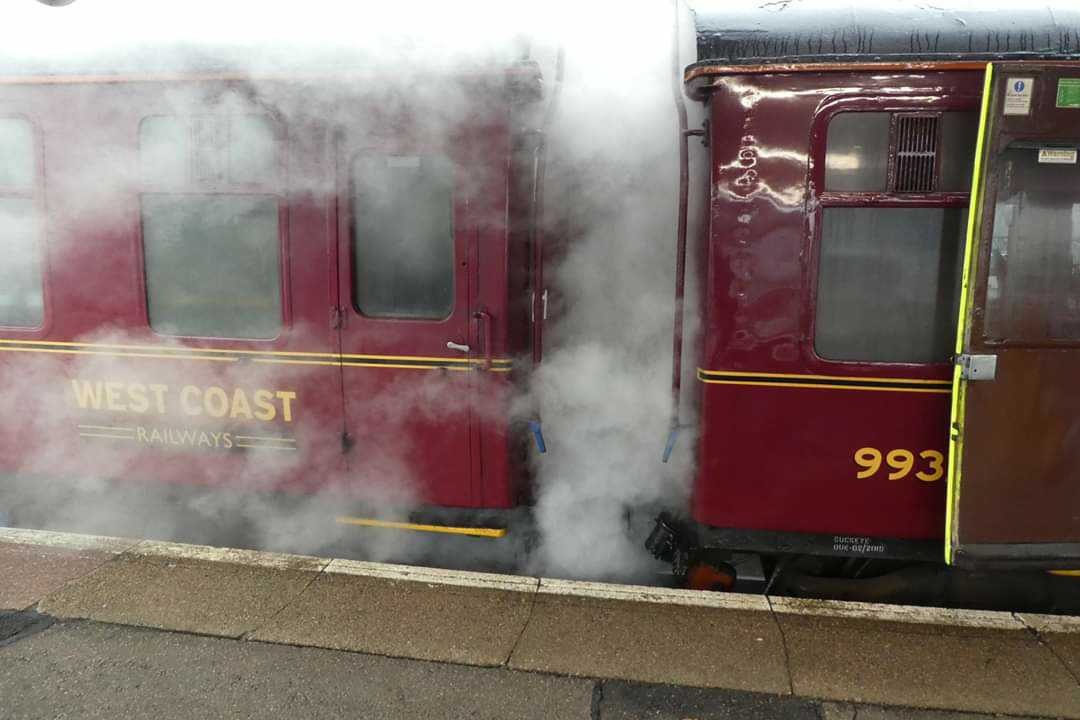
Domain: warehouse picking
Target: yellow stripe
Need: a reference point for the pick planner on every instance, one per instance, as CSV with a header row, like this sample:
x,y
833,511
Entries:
x,y
269,439
112,354
956,412
445,529
265,356
1066,573
178,350
266,447
799,376
111,437
816,386
107,427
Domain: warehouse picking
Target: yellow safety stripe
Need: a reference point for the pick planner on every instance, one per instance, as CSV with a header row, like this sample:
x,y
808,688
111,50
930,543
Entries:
x,y
967,289
418,527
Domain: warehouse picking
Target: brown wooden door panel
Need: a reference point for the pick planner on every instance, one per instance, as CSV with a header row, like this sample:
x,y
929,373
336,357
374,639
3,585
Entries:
x,y
1015,481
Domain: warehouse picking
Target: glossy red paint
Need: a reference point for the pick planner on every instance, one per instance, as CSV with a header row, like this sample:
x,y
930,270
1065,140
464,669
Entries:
x,y
780,458
357,403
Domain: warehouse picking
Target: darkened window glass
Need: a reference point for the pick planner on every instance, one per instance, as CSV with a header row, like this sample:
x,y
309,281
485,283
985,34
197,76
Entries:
x,y
16,154
21,302
20,270
403,236
212,264
888,283
857,152
1033,287
959,131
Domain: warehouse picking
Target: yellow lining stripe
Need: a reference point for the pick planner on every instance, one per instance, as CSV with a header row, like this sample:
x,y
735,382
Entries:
x,y
445,529
796,376
262,356
967,288
818,386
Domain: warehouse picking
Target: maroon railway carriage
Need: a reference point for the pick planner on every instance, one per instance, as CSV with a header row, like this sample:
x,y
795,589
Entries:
x,y
841,167
294,283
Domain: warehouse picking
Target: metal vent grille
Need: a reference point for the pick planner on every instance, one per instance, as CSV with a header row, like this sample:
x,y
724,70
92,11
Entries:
x,y
916,153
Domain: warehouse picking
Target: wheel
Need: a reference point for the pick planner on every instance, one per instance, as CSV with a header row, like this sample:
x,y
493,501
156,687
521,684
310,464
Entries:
x,y
714,576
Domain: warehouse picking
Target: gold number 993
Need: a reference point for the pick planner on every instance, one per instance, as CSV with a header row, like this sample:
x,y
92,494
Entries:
x,y
900,463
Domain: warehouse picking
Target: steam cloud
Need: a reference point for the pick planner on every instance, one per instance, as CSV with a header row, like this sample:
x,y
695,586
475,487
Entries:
x,y
603,389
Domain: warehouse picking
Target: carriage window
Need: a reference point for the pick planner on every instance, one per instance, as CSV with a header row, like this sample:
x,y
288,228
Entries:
x,y
212,265
16,154
212,242
21,301
901,152
403,236
1033,288
857,157
888,284
959,131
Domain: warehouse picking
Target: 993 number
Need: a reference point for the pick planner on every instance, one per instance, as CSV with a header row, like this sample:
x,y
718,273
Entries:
x,y
900,463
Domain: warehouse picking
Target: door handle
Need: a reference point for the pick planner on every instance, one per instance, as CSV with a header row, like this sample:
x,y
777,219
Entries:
x,y
485,319
451,345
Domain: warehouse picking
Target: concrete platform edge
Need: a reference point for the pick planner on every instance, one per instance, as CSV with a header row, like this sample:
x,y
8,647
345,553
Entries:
x,y
1041,629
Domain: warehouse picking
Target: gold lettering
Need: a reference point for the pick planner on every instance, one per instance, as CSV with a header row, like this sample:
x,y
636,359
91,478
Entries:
x,y
87,395
264,403
240,407
112,396
159,397
189,401
217,407
286,397
137,400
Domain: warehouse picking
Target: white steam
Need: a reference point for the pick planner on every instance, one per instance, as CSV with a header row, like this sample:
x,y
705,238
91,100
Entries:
x,y
603,390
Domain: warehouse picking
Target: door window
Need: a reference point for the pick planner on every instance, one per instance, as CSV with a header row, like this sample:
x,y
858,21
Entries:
x,y
403,236
1033,286
21,295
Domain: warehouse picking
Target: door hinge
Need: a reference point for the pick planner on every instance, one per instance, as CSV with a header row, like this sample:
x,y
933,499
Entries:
x,y
347,442
337,318
977,367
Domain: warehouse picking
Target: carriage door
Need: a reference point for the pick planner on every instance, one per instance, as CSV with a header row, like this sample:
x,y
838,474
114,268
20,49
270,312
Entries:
x,y
1014,485
408,339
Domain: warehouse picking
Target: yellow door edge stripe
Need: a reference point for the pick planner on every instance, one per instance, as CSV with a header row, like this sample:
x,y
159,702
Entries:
x,y
418,527
956,411
806,376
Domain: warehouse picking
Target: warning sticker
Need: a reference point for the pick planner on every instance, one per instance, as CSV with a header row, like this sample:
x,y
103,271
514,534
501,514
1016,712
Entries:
x,y
1057,156
1068,94
1018,95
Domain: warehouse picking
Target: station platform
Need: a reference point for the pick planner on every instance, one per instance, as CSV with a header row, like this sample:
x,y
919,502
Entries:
x,y
556,638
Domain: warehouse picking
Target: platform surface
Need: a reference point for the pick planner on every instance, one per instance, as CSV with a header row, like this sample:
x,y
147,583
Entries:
x,y
539,644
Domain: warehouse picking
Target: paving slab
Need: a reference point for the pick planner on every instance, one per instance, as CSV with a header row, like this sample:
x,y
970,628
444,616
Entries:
x,y
407,612
183,593
93,671
1061,633
633,701
724,641
849,711
988,665
30,572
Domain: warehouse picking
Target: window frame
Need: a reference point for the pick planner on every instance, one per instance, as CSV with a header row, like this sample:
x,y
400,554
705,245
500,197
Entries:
x,y
36,194
819,199
225,187
347,213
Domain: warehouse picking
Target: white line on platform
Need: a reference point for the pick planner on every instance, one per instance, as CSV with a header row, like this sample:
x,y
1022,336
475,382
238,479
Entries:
x,y
66,541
